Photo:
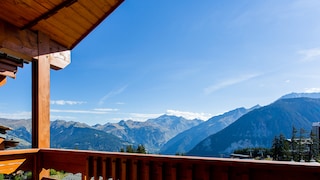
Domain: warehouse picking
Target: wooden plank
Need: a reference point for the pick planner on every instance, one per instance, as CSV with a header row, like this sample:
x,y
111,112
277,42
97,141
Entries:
x,y
8,67
22,10
10,166
3,80
84,13
73,19
11,62
91,8
105,6
7,73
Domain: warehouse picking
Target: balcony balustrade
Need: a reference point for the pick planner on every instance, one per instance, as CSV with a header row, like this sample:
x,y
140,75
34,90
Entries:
x,y
128,166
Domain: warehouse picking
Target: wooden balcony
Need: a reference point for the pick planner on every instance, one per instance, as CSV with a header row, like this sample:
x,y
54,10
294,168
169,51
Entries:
x,y
124,166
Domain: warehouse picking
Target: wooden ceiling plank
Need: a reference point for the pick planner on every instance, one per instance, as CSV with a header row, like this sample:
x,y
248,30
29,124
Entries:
x,y
55,34
89,5
49,13
77,18
65,18
22,11
105,7
46,4
16,20
67,31
54,2
84,13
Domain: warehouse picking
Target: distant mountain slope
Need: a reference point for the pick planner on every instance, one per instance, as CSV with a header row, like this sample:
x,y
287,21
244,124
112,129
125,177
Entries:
x,y
74,135
186,140
21,131
152,133
300,95
258,127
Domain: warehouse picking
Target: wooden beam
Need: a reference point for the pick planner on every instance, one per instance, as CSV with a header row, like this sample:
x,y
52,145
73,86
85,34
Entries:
x,y
3,80
60,60
24,44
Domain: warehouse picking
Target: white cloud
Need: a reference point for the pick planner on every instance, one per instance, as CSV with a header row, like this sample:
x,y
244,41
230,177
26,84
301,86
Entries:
x,y
312,90
310,54
64,102
106,109
189,115
229,82
16,115
78,111
69,118
112,93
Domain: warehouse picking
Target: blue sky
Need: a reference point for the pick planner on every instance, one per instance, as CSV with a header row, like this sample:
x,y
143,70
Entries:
x,y
187,58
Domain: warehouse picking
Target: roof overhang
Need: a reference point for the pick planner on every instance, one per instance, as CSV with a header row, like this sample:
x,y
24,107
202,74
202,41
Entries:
x,y
56,25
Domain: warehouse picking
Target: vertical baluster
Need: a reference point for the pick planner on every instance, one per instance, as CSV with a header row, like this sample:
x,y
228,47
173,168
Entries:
x,y
123,169
95,168
156,170
132,169
201,172
170,171
104,168
144,170
113,168
184,171
87,174
221,173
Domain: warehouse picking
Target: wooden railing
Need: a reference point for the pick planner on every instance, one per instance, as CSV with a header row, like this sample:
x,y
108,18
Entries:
x,y
125,166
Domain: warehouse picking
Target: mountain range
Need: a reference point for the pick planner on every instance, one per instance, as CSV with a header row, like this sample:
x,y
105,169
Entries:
x,y
152,133
186,140
222,134
258,127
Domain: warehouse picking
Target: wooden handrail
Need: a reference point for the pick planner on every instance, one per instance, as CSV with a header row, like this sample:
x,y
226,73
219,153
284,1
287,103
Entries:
x,y
11,160
147,166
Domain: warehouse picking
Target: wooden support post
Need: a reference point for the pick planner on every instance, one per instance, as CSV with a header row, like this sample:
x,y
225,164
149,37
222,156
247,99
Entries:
x,y
41,103
41,96
41,100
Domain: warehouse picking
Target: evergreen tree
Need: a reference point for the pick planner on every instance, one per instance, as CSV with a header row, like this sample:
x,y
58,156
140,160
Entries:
x,y
301,146
129,149
280,148
314,146
141,149
294,145
275,148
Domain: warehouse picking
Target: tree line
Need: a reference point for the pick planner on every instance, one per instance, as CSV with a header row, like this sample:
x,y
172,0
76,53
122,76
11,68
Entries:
x,y
301,146
130,149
